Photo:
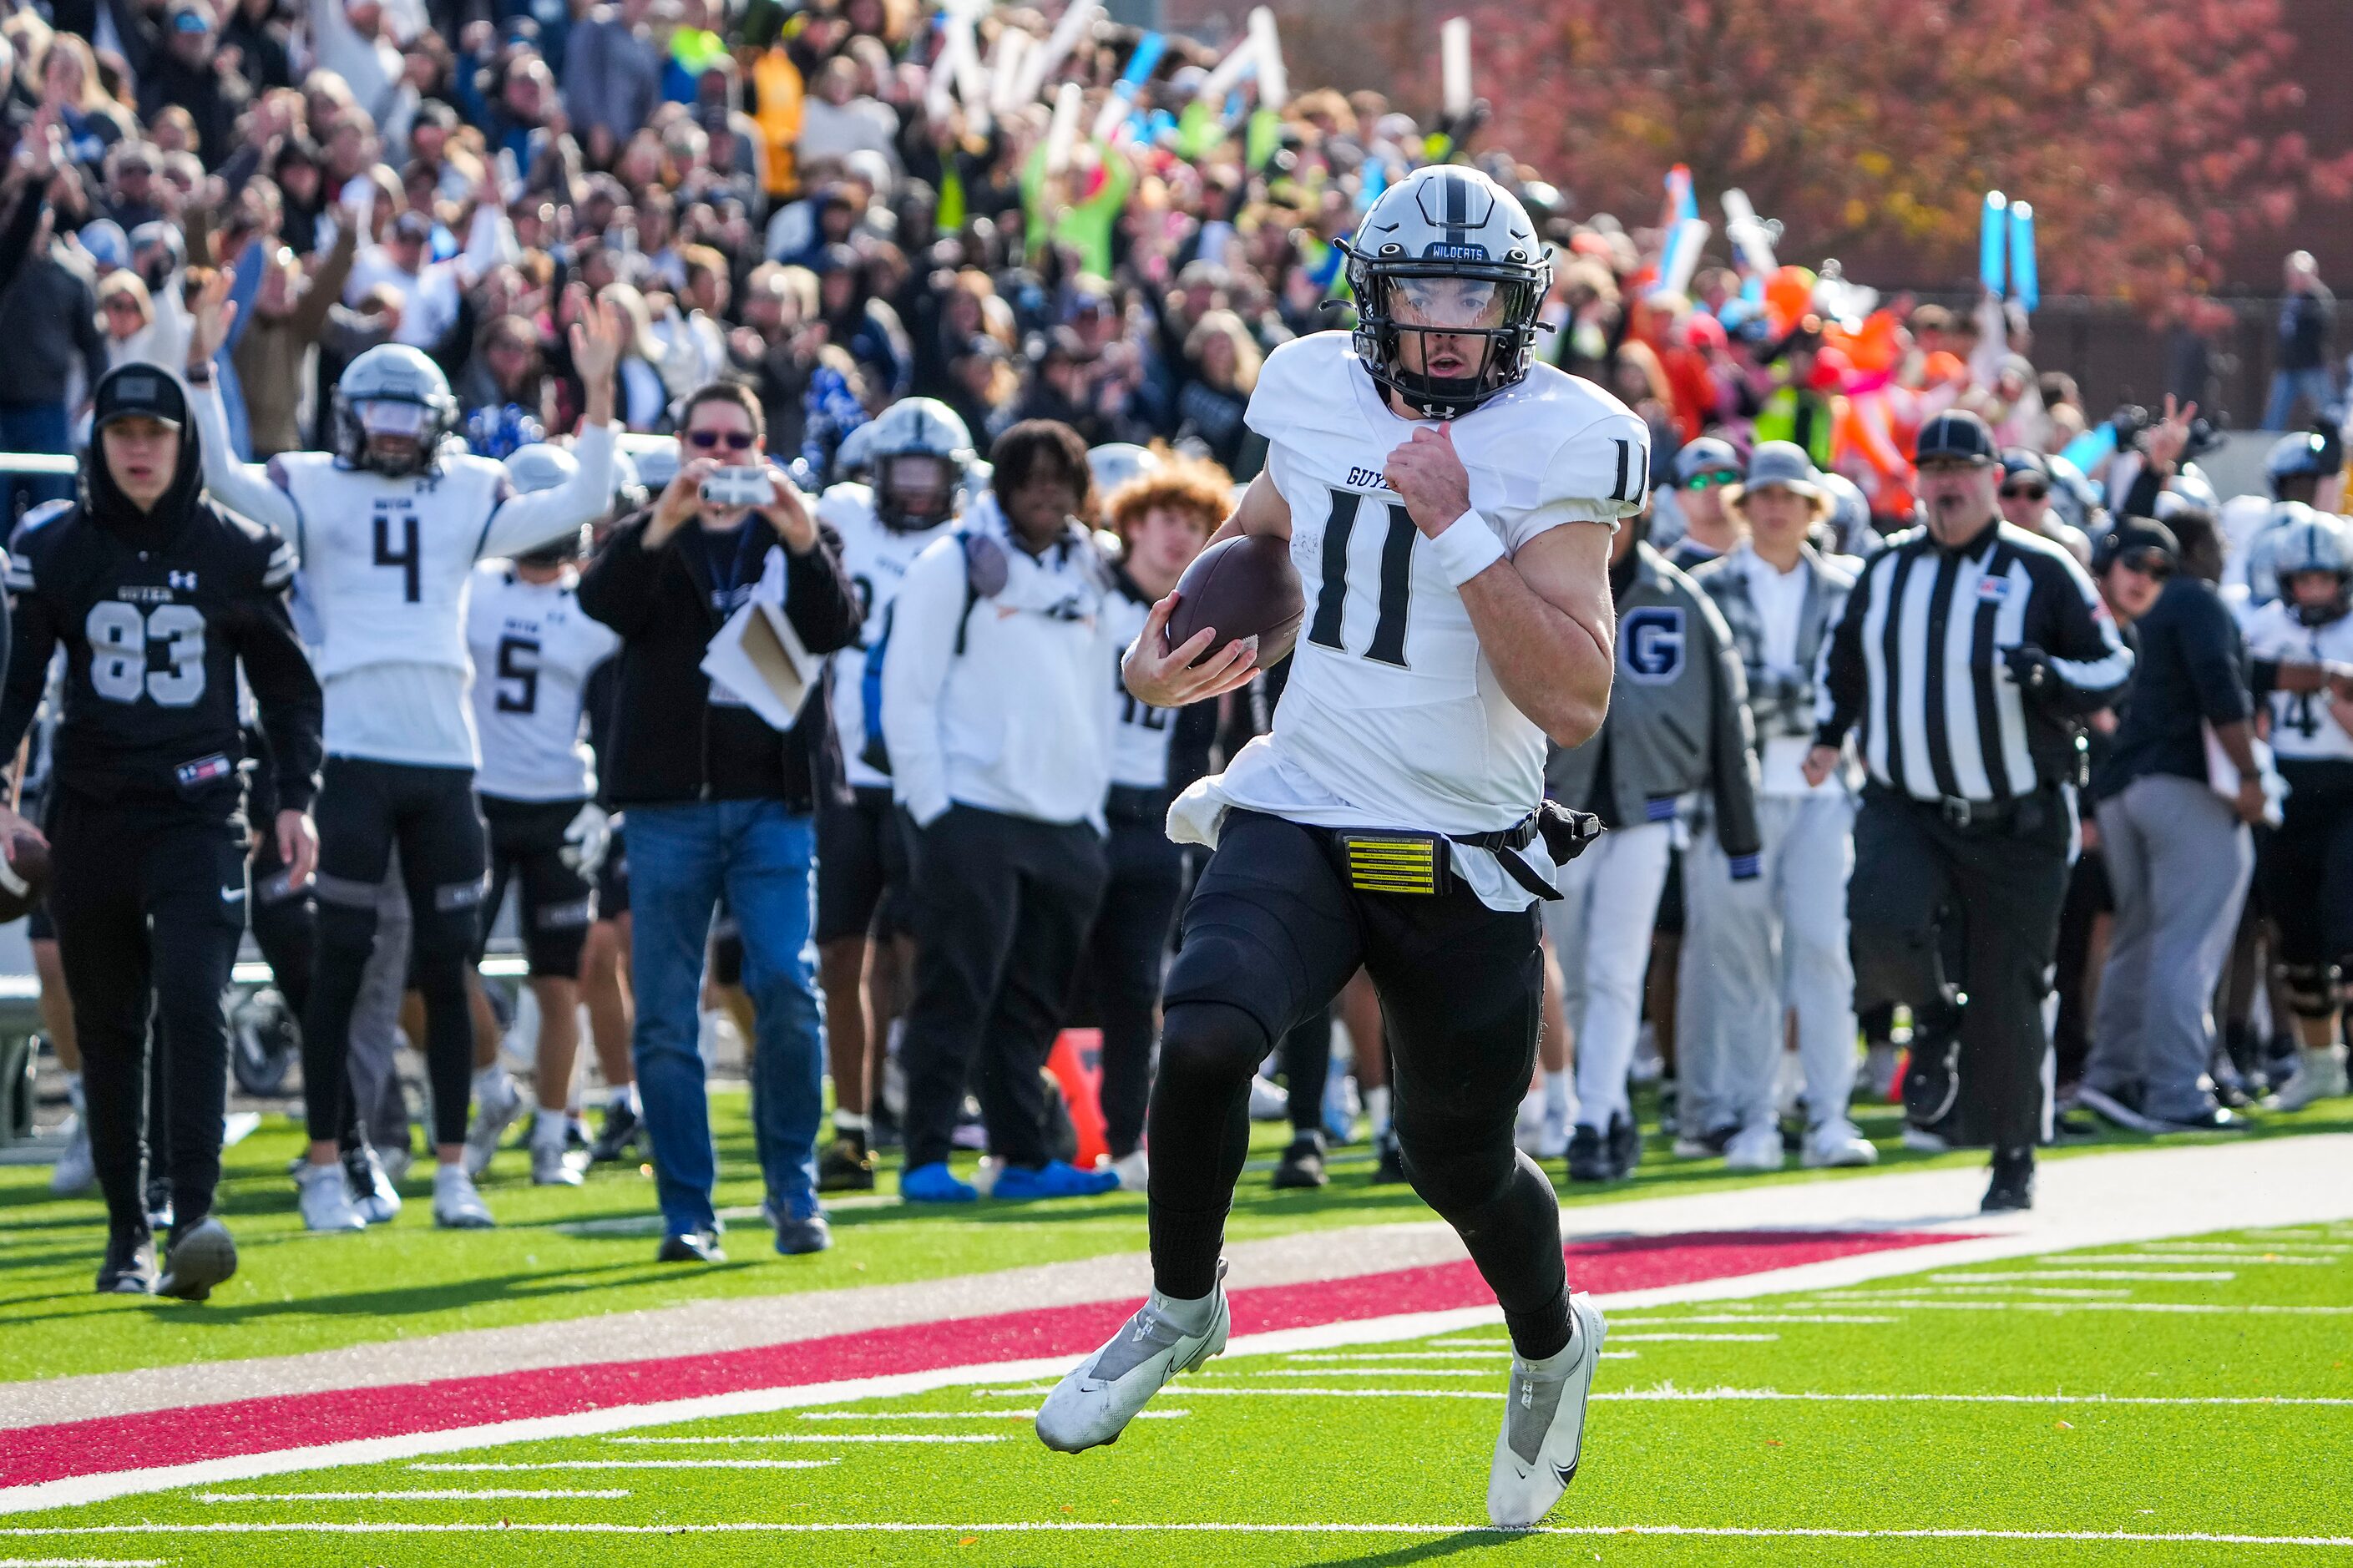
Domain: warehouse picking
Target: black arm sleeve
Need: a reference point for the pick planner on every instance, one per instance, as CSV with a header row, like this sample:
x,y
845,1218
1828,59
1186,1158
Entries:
x,y
286,690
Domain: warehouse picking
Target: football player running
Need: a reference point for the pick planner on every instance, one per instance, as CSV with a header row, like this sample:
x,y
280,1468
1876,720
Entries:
x,y
387,528
919,455
1439,494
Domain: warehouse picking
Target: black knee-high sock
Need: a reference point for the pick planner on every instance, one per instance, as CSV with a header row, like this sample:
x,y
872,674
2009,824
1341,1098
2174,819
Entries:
x,y
327,1040
1199,1124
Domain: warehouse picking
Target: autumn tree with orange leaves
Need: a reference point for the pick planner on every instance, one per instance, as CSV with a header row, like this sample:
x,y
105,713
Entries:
x,y
2145,130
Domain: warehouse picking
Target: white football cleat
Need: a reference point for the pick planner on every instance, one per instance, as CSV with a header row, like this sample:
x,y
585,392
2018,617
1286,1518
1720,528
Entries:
x,y
2320,1075
1544,1424
456,1205
1837,1143
325,1195
1101,1395
373,1193
1757,1147
497,1103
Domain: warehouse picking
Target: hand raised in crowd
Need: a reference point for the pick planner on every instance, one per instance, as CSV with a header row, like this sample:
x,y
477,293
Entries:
x,y
2167,438
1167,676
209,317
596,340
1430,476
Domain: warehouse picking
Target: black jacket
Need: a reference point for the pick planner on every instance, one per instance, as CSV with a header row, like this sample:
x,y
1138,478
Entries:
x,y
2192,672
156,611
659,745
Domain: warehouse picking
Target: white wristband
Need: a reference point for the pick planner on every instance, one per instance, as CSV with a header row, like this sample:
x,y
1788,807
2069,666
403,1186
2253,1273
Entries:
x,y
1466,547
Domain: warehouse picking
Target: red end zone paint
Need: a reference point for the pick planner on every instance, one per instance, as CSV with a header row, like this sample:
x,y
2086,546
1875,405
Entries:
x,y
160,1437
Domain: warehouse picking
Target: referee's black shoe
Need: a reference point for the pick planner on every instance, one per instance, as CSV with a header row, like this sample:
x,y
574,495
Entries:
x,y
2014,1182
1932,1082
130,1265
1302,1164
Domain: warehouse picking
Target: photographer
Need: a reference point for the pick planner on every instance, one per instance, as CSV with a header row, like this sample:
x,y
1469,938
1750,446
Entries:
x,y
720,802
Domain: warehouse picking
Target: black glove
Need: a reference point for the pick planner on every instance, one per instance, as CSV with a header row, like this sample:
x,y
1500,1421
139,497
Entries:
x,y
2030,667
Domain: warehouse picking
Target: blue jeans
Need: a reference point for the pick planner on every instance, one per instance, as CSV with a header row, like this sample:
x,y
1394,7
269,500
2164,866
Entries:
x,y
681,858
32,428
2315,386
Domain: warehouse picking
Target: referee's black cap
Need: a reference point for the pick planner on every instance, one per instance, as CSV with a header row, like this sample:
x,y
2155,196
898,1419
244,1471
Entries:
x,y
1957,434
138,392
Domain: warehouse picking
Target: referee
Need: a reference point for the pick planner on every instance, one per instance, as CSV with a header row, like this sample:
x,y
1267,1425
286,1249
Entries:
x,y
161,602
1968,652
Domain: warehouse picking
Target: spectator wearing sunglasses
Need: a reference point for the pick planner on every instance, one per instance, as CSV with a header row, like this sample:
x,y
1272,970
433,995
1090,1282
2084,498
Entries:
x,y
1705,469
718,802
2026,503
2179,857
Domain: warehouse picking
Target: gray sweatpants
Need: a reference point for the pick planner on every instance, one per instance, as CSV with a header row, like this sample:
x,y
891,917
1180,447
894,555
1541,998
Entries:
x,y
2179,860
1754,950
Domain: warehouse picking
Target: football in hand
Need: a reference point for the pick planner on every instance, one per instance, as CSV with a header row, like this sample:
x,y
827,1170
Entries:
x,y
1244,587
23,876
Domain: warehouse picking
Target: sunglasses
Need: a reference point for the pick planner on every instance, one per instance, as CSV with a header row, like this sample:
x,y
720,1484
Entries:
x,y
2024,492
711,440
2149,560
1711,481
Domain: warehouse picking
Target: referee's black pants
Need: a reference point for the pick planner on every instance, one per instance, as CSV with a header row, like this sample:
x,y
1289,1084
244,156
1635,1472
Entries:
x,y
1996,886
149,898
1002,905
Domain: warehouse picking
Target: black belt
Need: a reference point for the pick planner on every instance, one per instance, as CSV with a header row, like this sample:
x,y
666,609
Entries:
x,y
1136,802
2024,811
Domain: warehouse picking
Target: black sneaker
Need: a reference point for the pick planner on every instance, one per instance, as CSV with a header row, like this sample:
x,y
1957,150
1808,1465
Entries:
x,y
1588,1155
1932,1083
1389,1169
846,1166
619,1136
159,1204
689,1247
1302,1164
2014,1182
130,1265
1625,1145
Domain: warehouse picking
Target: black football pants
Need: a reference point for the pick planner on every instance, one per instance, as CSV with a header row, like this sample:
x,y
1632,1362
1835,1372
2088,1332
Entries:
x,y
149,899
1273,932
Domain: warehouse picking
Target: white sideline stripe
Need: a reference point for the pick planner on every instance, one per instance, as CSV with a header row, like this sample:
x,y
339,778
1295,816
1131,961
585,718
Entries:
x,y
2211,1274
1079,1527
430,1494
634,1465
833,1437
1747,1317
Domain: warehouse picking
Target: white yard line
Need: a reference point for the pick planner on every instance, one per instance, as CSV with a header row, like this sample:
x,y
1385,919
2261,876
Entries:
x,y
2195,1309
1758,1395
963,1414
84,1562
2281,1261
2178,1277
430,1494
1081,1527
633,1465
831,1438
1742,1318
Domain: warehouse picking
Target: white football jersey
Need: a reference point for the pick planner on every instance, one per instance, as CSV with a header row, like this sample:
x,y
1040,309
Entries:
x,y
1141,735
1392,717
534,650
876,559
2304,724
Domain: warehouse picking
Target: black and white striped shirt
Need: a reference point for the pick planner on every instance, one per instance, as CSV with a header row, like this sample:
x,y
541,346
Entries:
x,y
1918,663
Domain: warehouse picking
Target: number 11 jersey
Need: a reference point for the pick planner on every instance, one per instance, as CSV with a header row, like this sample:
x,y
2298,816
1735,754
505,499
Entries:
x,y
1392,716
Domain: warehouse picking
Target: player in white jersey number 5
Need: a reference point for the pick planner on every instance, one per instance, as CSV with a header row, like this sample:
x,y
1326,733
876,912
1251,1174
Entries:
x,y
387,528
1440,495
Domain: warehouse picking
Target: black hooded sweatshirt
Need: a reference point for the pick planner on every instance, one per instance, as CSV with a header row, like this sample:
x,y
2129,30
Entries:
x,y
156,610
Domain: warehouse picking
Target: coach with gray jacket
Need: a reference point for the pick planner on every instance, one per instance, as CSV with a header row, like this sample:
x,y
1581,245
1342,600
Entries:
x,y
1678,722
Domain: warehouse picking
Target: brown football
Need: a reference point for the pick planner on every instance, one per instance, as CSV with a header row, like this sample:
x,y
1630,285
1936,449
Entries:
x,y
25,877
1245,587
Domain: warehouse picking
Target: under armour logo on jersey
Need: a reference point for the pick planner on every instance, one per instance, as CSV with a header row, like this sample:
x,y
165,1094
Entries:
x,y
1651,644
183,581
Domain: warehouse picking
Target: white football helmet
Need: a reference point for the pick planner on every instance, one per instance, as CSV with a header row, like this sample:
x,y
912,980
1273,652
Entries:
x,y
393,411
929,490
540,467
2315,543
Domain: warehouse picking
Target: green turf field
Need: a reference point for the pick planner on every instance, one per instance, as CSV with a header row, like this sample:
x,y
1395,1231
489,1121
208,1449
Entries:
x,y
2192,1388
570,1252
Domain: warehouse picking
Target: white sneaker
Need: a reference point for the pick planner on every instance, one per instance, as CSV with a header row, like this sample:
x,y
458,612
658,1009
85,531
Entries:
x,y
1544,1424
497,1103
2320,1075
456,1205
1837,1142
1757,1147
325,1195
1134,1171
75,1171
1269,1101
372,1190
551,1166
1102,1394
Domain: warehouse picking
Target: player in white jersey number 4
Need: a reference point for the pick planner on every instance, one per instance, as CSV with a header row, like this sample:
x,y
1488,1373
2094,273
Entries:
x,y
387,528
1439,493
